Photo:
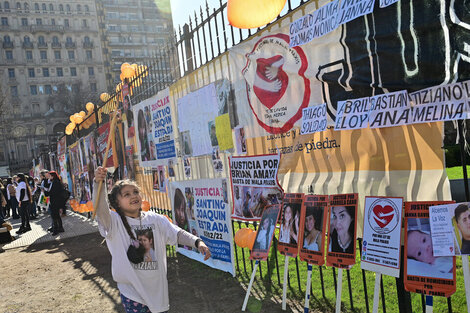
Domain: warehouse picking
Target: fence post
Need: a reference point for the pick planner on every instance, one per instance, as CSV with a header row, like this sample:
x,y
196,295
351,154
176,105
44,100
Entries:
x,y
187,37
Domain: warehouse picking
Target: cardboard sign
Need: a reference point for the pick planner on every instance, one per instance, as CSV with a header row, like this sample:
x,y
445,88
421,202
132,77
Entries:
x,y
382,235
290,222
313,217
423,272
265,233
254,185
342,231
450,228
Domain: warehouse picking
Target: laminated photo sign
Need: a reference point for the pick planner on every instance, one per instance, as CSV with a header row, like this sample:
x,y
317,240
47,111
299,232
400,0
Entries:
x,y
423,272
382,234
264,235
342,230
313,218
290,222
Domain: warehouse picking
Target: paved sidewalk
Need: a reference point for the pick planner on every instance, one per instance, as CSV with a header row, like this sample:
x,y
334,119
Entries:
x,y
74,224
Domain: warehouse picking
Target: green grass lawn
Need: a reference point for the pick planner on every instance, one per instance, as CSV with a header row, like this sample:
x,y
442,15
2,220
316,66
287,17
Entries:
x,y
268,285
456,172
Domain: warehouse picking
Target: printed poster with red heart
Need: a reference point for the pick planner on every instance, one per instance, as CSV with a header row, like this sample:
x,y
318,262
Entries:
x,y
381,244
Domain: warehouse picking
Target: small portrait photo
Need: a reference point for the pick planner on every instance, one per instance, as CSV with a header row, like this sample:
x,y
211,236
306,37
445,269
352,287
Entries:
x,y
461,223
145,238
189,194
156,179
186,143
212,134
222,89
289,230
187,167
265,231
313,231
216,160
240,140
179,207
171,168
342,229
143,131
419,252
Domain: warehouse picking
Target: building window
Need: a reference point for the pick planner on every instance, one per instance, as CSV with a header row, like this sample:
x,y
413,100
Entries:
x,y
39,21
71,54
86,39
41,40
55,39
43,54
18,6
11,73
60,72
68,40
93,87
73,71
79,8
51,7
6,39
31,72
24,21
14,91
44,8
87,8
45,72
66,23
26,7
33,89
67,7
91,71
52,21
26,39
9,54
61,7
4,21
48,89
84,23
89,54
57,55
36,7
6,5
29,55
41,89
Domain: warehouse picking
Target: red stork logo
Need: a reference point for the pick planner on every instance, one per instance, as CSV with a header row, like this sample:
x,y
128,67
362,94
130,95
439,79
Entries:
x,y
276,86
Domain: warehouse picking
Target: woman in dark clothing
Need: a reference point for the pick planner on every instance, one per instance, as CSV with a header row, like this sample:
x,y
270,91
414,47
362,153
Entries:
x,y
11,197
56,202
23,194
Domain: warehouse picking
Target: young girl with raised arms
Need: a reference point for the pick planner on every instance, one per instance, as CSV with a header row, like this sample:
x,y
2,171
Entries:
x,y
143,285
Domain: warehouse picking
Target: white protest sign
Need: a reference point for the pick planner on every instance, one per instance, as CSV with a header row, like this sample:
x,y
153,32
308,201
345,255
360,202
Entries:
x,y
390,109
440,103
315,25
382,235
441,230
386,3
352,9
314,119
352,114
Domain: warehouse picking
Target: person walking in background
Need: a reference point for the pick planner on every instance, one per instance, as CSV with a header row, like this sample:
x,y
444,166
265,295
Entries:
x,y
11,193
34,190
45,183
23,194
55,192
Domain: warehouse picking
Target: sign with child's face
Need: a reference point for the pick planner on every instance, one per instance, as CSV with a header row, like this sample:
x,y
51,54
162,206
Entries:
x,y
290,224
313,218
265,233
342,230
450,226
424,272
382,235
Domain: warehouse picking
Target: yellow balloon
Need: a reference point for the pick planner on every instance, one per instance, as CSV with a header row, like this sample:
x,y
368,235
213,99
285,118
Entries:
x,y
90,107
71,118
104,96
82,114
128,72
253,13
124,65
121,77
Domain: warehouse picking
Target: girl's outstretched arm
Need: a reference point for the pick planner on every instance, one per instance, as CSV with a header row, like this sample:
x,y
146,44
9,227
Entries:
x,y
187,239
102,208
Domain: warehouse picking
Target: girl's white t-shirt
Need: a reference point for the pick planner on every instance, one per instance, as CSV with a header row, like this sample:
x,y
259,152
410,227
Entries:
x,y
145,282
21,185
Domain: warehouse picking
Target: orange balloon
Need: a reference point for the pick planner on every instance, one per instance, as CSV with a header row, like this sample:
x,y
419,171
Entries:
x,y
89,205
82,208
145,205
250,239
240,237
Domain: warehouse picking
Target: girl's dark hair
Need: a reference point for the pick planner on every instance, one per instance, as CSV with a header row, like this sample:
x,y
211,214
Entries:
x,y
134,254
22,178
114,203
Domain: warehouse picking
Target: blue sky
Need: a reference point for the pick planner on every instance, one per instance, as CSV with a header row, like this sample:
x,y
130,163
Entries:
x,y
181,9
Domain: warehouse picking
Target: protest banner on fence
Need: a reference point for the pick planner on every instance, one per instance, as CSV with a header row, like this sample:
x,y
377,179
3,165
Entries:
x,y
290,224
313,217
61,145
254,185
381,243
450,228
200,208
350,10
342,230
423,272
265,233
162,121
101,142
314,119
390,109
